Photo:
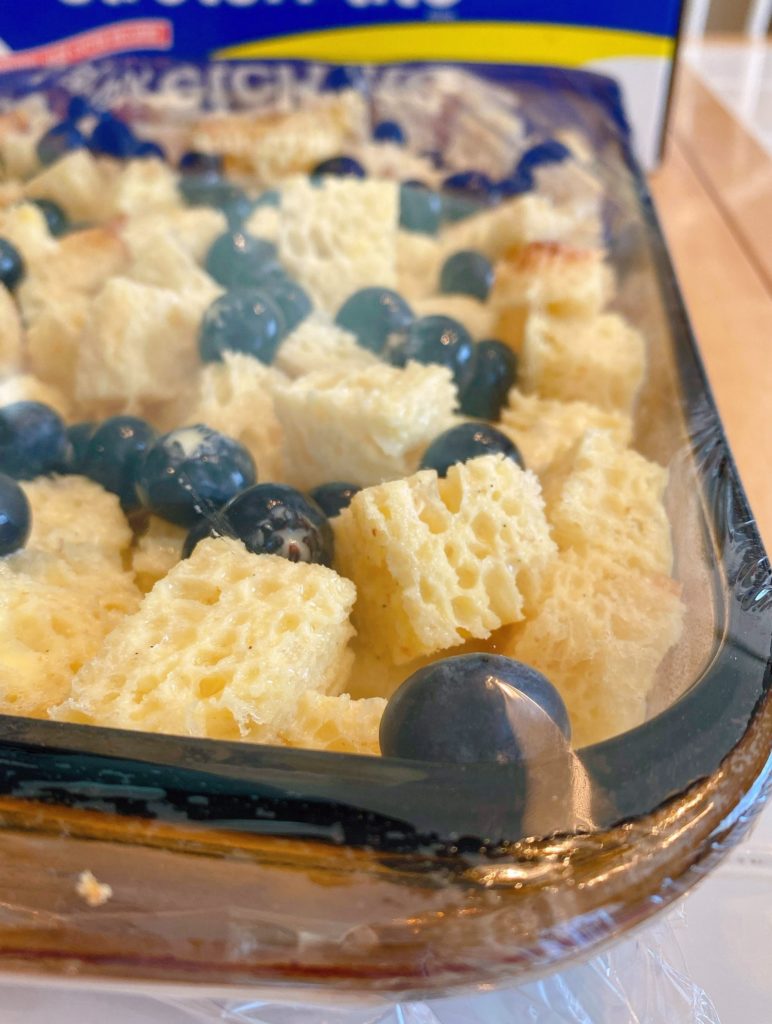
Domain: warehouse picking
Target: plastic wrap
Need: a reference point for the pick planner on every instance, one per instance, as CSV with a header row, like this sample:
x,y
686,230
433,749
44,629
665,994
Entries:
x,y
334,879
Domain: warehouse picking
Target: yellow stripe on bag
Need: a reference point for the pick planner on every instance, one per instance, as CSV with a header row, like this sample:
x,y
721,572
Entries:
x,y
490,41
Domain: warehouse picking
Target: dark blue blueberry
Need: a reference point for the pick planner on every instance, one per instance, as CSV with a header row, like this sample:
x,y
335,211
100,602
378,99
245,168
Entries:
x,y
288,296
192,472
238,208
476,708
77,108
389,131
78,437
456,207
374,315
467,441
494,374
519,182
15,516
194,162
56,219
202,529
472,184
237,259
271,197
33,440
467,273
420,209
435,339
11,264
57,142
273,519
145,150
344,77
548,152
241,321
339,167
114,454
333,498
112,137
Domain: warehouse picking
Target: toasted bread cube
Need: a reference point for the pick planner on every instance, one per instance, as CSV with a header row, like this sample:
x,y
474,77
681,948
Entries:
x,y
157,552
224,646
437,561
53,336
512,224
478,318
605,499
602,360
362,425
10,333
79,183
138,345
339,236
195,228
160,259
599,635
24,226
144,185
317,344
236,398
337,723
24,387
419,260
544,429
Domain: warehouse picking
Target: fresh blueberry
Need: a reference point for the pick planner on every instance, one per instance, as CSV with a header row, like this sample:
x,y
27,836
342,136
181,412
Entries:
x,y
435,339
192,472
549,152
147,149
475,708
210,189
114,454
241,321
467,441
56,219
456,207
237,259
78,107
339,167
516,184
12,267
194,162
238,208
467,273
333,498
112,137
273,519
292,301
344,77
78,437
389,131
472,184
57,142
374,315
420,209
494,374
33,440
15,516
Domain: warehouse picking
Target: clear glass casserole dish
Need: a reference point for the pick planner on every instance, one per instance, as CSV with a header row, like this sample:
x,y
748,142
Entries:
x,y
243,865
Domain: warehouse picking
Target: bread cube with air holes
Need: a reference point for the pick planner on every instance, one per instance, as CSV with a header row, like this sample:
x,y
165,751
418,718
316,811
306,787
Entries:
x,y
317,344
438,561
79,183
322,722
194,228
142,186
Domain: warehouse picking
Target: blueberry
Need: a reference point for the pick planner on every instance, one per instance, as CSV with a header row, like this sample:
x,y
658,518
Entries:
x,y
389,131
210,189
145,150
241,321
435,339
273,519
237,259
344,77
192,472
292,301
548,152
467,273
12,267
78,437
475,708
333,498
494,373
200,531
458,207
56,219
194,162
374,315
78,107
237,207
114,454
33,440
57,142
420,209
519,182
467,441
472,184
15,517
339,167
112,137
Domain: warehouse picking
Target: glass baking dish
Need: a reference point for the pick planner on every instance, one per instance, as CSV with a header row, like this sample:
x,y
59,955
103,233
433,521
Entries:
x,y
246,866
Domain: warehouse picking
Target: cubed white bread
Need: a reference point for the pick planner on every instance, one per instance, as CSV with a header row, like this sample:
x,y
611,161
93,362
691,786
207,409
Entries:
x,y
138,345
362,425
264,223
53,336
437,561
160,259
544,429
599,635
478,318
10,333
390,160
18,144
601,360
337,723
24,226
317,344
339,236
224,646
11,193
156,552
25,387
142,186
79,183
511,224
604,499
419,260
236,398
577,193
195,228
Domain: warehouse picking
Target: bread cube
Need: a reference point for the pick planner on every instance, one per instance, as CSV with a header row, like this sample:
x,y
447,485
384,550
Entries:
x,y
160,259
317,344
512,224
437,561
224,646
478,318
18,145
195,228
142,186
601,360
53,337
24,226
599,635
339,236
419,261
337,723
10,333
264,222
544,429
604,499
362,425
156,552
24,387
79,183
